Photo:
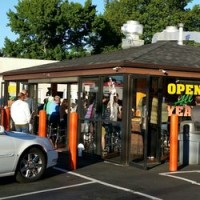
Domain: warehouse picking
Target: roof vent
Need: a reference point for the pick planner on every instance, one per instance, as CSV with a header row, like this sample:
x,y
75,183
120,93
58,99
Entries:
x,y
132,30
171,29
172,33
180,36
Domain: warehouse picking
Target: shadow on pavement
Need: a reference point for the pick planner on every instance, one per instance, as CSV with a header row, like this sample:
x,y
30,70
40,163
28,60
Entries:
x,y
85,160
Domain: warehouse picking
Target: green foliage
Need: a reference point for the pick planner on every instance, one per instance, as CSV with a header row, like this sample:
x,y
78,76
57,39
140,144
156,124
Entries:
x,y
192,43
192,19
50,29
154,15
38,24
103,36
1,52
59,29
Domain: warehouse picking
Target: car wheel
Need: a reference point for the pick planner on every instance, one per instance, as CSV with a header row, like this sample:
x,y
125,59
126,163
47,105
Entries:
x,y
31,166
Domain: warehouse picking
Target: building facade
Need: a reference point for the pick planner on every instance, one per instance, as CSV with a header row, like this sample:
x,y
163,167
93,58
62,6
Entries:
x,y
124,99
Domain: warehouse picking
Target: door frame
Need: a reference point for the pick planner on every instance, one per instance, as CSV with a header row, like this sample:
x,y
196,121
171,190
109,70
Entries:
x,y
149,82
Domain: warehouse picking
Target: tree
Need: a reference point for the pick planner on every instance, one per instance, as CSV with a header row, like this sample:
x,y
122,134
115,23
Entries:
x,y
80,25
38,24
57,29
50,29
103,38
154,15
192,19
1,52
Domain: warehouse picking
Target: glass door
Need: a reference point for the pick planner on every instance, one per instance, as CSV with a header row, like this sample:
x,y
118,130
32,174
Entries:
x,y
2,94
139,121
89,95
101,116
111,125
33,93
145,121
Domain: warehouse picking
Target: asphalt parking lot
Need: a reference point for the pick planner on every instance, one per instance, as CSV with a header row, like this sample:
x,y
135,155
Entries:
x,y
102,180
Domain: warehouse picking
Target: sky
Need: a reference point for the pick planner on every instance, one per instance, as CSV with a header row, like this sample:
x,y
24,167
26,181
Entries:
x,y
5,5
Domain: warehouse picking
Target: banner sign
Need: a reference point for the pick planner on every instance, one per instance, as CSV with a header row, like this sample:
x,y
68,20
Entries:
x,y
185,92
187,89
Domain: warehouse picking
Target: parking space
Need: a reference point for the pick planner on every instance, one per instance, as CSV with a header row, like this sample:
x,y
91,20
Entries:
x,y
62,184
102,181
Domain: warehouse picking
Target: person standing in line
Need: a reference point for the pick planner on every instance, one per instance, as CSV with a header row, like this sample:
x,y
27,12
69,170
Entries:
x,y
63,113
29,100
20,114
53,111
10,102
152,134
48,105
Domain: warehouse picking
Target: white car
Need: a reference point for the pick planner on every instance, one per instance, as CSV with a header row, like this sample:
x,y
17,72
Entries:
x,y
25,156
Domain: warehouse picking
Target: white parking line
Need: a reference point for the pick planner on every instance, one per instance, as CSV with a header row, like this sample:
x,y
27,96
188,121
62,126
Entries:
x,y
47,190
91,181
172,174
109,185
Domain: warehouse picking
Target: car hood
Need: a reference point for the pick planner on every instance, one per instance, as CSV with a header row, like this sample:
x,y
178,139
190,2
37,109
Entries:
x,y
30,139
21,135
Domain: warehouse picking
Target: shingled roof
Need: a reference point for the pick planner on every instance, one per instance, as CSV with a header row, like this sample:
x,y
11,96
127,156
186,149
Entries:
x,y
167,54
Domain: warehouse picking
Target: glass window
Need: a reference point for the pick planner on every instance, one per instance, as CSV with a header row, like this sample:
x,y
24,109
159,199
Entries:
x,y
89,115
112,116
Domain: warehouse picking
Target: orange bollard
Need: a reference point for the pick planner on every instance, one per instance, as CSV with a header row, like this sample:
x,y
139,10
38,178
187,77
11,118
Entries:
x,y
7,119
73,127
2,116
173,157
42,132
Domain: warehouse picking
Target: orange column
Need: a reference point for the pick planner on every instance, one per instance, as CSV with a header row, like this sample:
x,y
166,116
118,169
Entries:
x,y
42,124
173,157
73,127
2,116
7,119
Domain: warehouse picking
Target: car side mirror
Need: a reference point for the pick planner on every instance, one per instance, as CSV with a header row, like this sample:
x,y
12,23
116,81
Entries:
x,y
2,129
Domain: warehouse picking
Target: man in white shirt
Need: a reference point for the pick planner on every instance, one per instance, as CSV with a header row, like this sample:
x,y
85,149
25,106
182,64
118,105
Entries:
x,y
20,114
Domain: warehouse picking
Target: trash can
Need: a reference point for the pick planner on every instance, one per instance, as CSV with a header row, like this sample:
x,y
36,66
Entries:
x,y
189,143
